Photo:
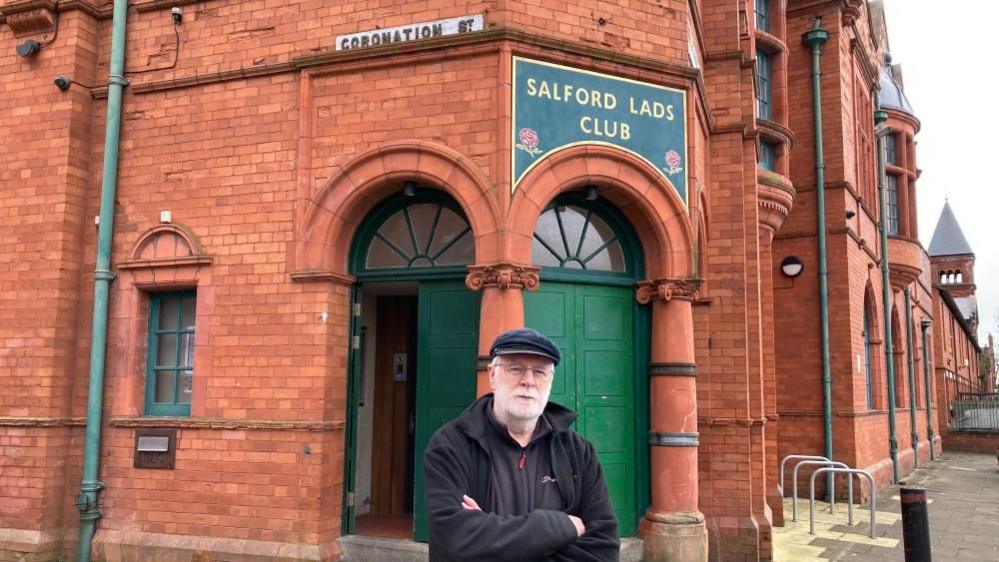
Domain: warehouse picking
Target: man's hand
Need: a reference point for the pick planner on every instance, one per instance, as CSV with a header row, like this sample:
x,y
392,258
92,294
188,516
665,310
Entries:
x,y
578,524
469,503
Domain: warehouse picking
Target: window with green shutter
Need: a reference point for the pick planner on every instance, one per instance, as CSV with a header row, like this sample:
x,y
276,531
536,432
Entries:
x,y
170,363
891,150
891,205
763,15
768,155
764,75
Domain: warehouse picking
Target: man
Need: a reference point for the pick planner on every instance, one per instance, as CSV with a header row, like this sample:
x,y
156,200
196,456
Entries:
x,y
508,479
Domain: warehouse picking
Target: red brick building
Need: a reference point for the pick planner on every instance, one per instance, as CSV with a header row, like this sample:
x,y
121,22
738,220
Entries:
x,y
325,212
959,367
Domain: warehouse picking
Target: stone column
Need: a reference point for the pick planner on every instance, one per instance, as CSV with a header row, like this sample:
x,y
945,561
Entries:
x,y
502,306
673,528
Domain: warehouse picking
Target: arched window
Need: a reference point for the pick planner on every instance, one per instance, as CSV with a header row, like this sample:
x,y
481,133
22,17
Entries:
x,y
590,238
422,233
867,359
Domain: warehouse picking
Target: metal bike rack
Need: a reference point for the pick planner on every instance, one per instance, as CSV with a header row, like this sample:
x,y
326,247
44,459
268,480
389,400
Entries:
x,y
832,489
793,457
850,472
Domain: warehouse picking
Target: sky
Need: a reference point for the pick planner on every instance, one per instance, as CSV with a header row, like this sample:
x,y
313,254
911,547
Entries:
x,y
947,54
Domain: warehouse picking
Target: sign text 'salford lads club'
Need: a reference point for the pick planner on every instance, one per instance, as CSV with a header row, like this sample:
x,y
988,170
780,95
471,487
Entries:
x,y
555,107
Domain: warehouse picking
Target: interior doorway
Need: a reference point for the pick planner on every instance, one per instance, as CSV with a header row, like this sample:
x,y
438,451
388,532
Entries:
x,y
386,413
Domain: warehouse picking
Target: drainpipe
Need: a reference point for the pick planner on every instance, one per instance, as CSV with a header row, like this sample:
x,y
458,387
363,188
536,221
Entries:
x,y
89,488
814,38
912,379
925,325
880,129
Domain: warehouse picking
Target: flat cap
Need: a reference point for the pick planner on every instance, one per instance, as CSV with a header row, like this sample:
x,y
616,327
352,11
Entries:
x,y
525,341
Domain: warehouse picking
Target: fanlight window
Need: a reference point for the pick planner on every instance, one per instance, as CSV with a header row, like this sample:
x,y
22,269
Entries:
x,y
421,235
573,237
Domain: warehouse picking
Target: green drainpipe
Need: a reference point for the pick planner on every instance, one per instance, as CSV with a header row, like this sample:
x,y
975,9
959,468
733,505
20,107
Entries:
x,y
89,488
925,325
814,38
912,379
879,118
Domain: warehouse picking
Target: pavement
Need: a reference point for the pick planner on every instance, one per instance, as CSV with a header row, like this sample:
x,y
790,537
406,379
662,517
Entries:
x,y
963,492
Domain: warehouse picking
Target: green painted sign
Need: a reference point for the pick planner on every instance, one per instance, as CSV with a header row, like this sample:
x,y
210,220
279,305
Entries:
x,y
555,107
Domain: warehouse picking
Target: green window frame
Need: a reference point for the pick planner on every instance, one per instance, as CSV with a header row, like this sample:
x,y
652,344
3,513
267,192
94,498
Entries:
x,y
585,242
764,76
423,236
891,205
768,155
170,358
891,150
762,8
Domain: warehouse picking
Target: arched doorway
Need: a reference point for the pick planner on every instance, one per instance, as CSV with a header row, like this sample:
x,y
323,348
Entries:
x,y
414,331
590,260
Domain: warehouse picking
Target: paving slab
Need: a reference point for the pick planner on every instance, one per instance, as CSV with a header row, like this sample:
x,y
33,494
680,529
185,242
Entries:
x,y
963,492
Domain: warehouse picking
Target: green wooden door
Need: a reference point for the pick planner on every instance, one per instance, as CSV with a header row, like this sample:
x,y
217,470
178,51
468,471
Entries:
x,y
594,327
447,346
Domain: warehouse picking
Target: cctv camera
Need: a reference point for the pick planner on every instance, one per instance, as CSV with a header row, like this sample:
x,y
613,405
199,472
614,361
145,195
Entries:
x,y
177,15
62,82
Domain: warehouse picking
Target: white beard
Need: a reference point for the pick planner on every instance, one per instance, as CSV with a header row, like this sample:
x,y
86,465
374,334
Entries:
x,y
518,409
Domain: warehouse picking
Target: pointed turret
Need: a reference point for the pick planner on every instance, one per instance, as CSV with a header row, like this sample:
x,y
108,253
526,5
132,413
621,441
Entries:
x,y
948,239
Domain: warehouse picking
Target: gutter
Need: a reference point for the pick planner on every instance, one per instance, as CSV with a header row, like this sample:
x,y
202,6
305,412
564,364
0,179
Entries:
x,y
91,486
815,38
880,116
912,379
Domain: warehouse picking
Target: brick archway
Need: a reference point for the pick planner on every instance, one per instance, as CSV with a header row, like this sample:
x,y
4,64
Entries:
x,y
672,523
648,201
330,221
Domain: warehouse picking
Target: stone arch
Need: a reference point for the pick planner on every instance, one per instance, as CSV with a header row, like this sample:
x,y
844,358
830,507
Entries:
x,y
166,242
647,200
333,215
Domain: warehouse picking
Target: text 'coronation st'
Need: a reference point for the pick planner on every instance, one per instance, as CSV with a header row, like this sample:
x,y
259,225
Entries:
x,y
589,97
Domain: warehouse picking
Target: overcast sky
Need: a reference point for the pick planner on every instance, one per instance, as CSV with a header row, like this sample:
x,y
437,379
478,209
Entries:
x,y
947,52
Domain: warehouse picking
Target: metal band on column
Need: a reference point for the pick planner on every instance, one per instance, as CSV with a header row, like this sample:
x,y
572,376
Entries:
x,y
673,370
673,439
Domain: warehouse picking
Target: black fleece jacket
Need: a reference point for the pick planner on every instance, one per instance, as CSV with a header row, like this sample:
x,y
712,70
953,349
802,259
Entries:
x,y
457,463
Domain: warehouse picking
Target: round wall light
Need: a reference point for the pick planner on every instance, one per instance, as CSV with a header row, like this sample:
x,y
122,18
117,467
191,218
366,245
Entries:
x,y
792,266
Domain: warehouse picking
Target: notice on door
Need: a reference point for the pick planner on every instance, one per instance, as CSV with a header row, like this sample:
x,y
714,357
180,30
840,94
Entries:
x,y
555,107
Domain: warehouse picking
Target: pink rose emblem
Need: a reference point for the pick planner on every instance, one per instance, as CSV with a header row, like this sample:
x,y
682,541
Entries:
x,y
529,141
673,162
529,137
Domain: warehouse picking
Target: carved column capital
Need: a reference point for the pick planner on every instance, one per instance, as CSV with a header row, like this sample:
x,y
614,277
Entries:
x,y
504,275
667,289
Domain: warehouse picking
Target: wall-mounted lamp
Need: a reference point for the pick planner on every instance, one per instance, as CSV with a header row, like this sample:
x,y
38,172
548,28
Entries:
x,y
792,266
409,188
590,193
850,213
29,48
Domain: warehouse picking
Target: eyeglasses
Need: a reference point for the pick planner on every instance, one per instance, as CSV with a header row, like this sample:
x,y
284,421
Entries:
x,y
517,372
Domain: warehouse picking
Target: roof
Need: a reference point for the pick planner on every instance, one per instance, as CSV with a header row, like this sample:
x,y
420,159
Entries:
x,y
891,96
956,311
948,240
